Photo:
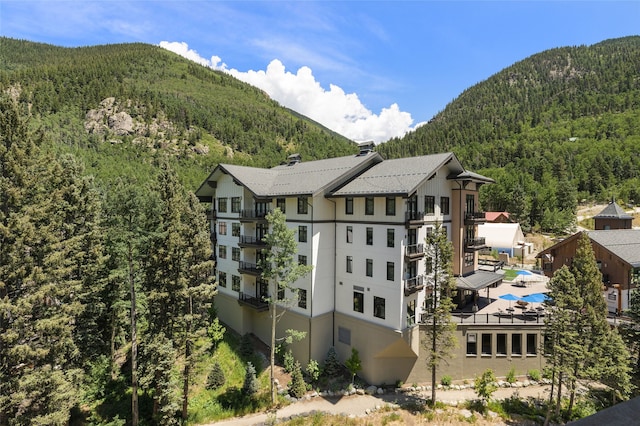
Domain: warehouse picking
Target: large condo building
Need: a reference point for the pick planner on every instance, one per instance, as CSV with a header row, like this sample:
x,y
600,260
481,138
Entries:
x,y
361,221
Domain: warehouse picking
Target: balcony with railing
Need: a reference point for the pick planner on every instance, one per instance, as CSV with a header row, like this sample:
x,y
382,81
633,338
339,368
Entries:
x,y
251,242
249,268
253,215
475,244
414,251
472,218
414,284
414,218
256,303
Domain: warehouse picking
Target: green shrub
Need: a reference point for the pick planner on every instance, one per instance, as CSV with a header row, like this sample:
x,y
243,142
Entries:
x,y
485,385
445,381
289,361
297,386
511,375
313,370
216,377
250,386
353,363
246,346
332,366
534,375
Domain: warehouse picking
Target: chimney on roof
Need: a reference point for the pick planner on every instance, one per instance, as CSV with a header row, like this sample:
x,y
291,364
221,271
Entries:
x,y
293,159
366,147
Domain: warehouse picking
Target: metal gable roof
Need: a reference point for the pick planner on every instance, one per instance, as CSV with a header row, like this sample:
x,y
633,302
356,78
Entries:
x,y
624,243
400,176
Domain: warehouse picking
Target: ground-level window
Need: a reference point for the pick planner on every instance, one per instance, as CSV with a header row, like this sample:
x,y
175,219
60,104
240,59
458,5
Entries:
x,y
378,307
472,344
358,299
486,344
344,335
532,341
302,298
516,344
501,344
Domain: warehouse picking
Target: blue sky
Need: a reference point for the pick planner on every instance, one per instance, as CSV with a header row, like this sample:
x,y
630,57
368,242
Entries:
x,y
368,69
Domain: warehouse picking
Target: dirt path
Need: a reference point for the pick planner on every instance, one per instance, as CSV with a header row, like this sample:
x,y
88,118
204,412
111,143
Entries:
x,y
363,405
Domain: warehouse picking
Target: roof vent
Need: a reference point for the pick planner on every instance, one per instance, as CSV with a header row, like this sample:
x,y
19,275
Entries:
x,y
366,147
293,159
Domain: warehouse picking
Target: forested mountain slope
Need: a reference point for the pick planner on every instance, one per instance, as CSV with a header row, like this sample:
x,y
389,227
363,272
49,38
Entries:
x,y
154,102
570,115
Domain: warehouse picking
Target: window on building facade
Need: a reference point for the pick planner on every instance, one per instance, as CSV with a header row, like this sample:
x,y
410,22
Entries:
x,y
235,283
222,252
349,234
378,307
501,344
368,206
532,342
391,206
344,335
486,344
358,300
235,254
222,228
390,271
236,205
391,237
468,259
302,234
428,265
222,205
348,205
470,203
411,313
444,205
369,267
516,344
302,298
472,344
302,260
235,229
369,236
222,279
281,203
349,264
429,204
303,207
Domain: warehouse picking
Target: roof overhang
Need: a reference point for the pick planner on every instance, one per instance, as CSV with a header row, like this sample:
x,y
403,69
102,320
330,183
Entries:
x,y
478,280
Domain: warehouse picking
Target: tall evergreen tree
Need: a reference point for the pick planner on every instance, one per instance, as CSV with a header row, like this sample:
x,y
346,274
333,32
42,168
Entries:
x,y
39,290
281,271
178,282
440,332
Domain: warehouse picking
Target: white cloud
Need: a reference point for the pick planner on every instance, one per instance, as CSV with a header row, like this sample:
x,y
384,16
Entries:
x,y
339,111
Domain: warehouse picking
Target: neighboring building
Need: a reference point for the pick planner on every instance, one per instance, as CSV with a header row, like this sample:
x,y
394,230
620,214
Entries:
x,y
504,238
613,217
498,217
617,252
361,221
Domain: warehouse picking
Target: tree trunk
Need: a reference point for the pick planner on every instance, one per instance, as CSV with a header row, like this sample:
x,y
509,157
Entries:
x,y
573,390
134,343
559,392
273,346
187,365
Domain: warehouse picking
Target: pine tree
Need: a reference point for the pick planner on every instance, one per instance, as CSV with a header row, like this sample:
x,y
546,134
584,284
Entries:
x,y
216,377
281,271
39,287
440,332
250,386
297,386
332,366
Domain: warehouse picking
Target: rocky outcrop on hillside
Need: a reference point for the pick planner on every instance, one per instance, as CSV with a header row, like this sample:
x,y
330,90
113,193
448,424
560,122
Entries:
x,y
118,122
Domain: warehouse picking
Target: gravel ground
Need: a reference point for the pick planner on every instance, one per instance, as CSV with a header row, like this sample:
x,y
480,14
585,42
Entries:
x,y
364,405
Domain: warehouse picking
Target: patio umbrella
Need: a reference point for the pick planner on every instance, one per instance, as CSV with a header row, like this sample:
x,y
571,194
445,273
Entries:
x,y
535,298
525,276
510,297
